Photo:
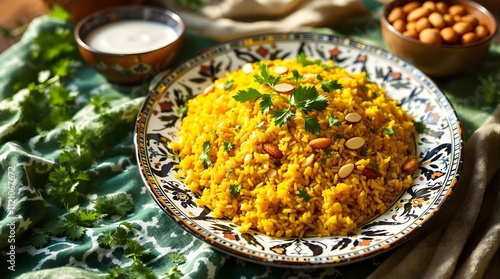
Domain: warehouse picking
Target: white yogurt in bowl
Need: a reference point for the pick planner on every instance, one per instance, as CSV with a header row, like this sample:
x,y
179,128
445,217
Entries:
x,y
130,44
131,36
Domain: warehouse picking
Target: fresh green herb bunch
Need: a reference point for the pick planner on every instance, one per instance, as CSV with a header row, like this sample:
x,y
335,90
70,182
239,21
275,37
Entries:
x,y
305,99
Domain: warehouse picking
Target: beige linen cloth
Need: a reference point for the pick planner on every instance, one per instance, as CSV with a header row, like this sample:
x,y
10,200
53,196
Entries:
x,y
463,240
229,19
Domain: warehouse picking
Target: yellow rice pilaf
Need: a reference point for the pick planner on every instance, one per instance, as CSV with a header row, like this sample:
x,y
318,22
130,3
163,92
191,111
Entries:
x,y
300,194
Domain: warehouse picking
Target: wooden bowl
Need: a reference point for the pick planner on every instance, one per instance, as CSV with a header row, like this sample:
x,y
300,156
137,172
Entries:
x,y
439,60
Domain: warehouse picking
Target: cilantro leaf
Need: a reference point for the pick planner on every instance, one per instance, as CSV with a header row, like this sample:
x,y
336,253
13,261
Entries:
x,y
115,272
266,103
74,231
114,204
105,239
139,270
100,103
333,121
174,273
247,95
235,189
330,86
229,85
375,166
57,11
304,60
227,145
205,157
40,240
311,125
304,195
177,258
296,76
389,131
307,99
265,77
419,126
282,116
135,250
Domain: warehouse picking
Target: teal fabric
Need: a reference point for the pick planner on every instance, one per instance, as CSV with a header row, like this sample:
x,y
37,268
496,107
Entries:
x,y
26,157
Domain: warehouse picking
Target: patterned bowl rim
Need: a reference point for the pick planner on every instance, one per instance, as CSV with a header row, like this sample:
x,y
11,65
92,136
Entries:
x,y
156,93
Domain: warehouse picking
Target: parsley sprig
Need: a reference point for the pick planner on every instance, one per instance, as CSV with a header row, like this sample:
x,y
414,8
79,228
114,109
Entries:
x,y
305,99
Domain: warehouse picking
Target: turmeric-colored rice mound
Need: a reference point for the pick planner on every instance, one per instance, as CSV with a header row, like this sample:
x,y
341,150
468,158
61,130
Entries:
x,y
222,156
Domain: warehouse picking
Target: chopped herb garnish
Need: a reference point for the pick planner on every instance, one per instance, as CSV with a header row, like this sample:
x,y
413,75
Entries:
x,y
305,99
265,77
339,136
329,153
389,131
304,60
296,76
375,166
323,161
205,157
311,125
333,121
229,85
247,95
304,195
330,86
236,127
228,146
419,126
363,88
235,189
364,152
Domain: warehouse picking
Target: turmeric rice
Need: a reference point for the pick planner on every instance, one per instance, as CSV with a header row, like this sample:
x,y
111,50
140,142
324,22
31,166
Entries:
x,y
265,174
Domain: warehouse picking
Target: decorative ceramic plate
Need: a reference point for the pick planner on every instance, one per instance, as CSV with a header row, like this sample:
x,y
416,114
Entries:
x,y
439,148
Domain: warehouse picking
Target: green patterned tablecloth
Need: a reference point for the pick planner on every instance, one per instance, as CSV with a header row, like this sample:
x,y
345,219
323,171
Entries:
x,y
28,156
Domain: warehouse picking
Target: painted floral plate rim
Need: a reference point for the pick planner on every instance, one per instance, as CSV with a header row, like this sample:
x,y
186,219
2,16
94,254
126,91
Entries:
x,y
439,148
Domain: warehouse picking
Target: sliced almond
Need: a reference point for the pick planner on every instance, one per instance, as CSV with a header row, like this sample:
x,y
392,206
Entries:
x,y
346,170
355,143
410,165
209,89
280,70
320,143
247,68
309,160
272,150
370,173
284,87
353,117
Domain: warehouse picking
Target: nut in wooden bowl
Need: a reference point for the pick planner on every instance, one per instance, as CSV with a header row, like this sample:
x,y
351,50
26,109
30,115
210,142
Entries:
x,y
442,38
